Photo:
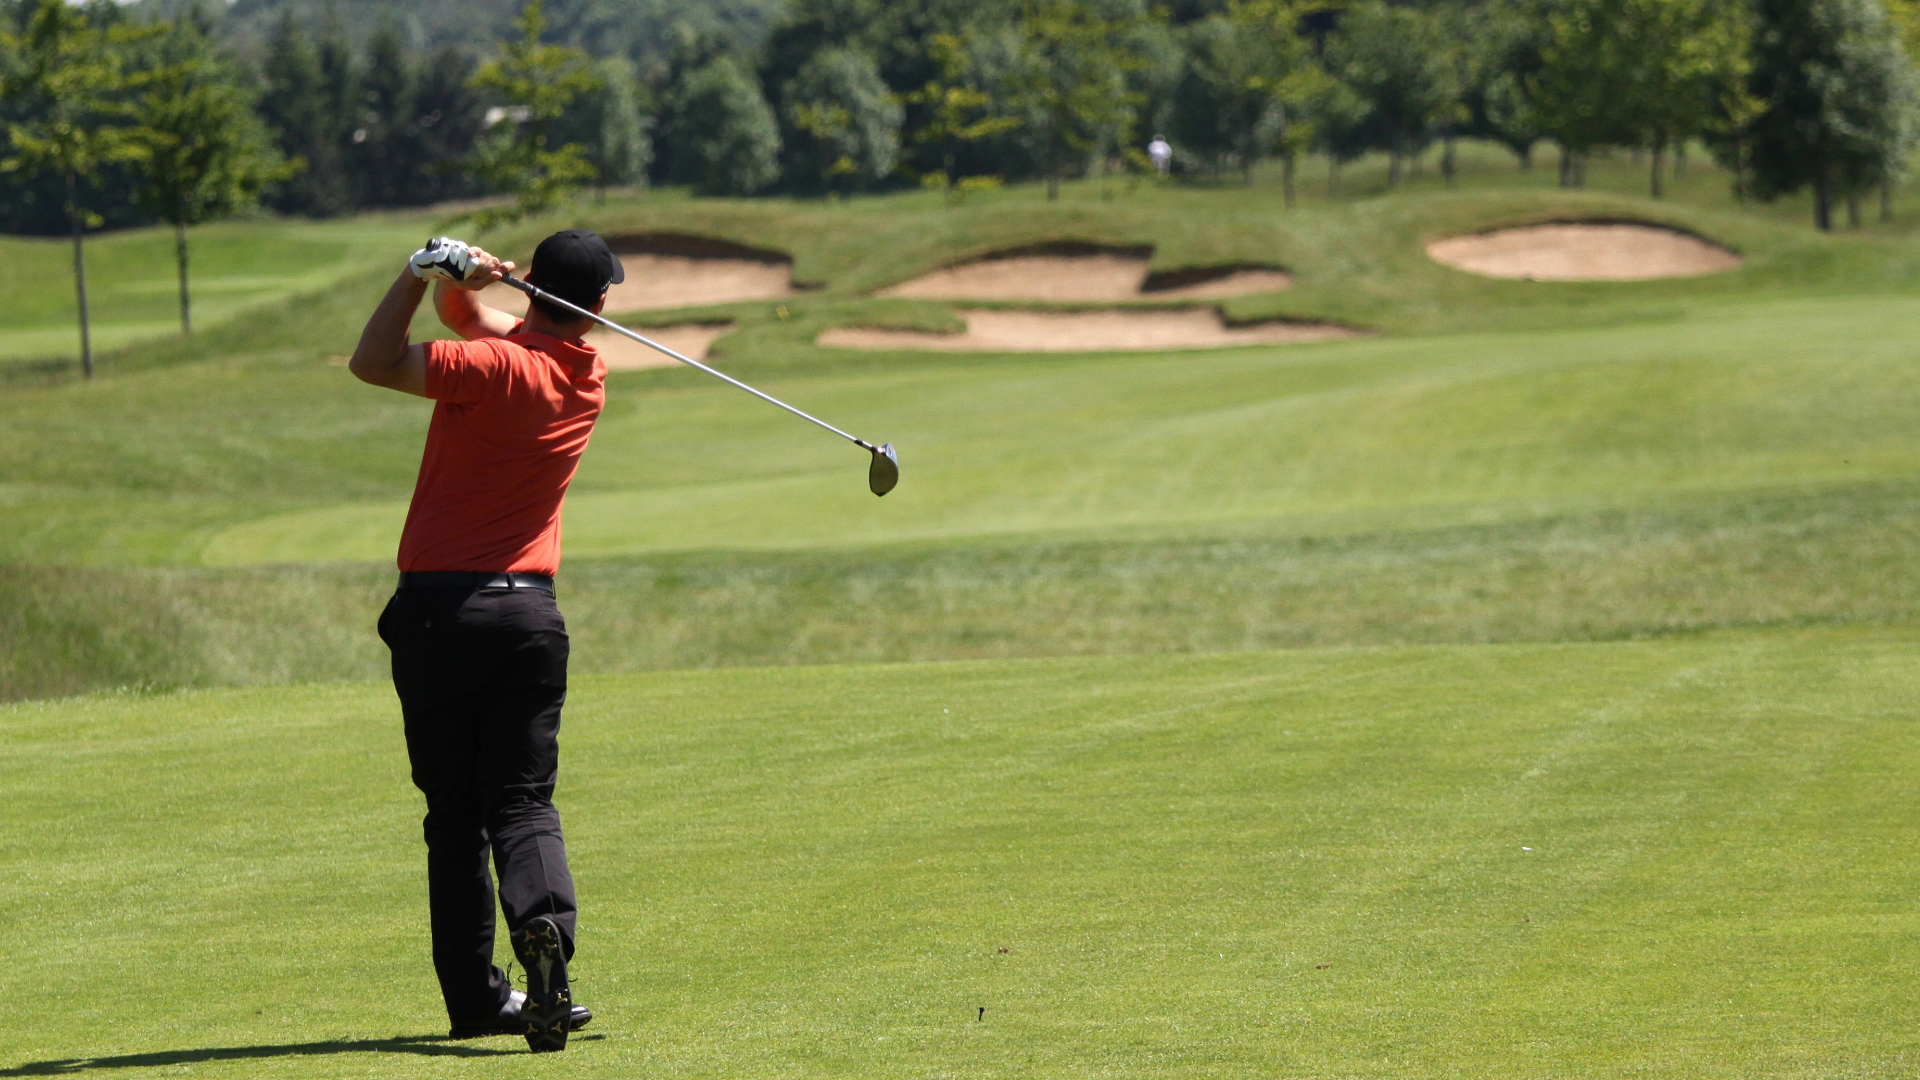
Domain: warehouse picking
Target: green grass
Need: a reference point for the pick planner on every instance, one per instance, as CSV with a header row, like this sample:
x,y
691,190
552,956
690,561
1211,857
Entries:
x,y
133,291
1591,757
1601,860
1507,461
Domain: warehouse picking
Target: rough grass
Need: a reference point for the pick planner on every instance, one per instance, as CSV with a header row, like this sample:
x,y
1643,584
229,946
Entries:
x,y
1831,557
1600,860
1513,461
133,291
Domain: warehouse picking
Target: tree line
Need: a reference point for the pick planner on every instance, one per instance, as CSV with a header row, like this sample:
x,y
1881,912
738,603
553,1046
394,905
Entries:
x,y
114,117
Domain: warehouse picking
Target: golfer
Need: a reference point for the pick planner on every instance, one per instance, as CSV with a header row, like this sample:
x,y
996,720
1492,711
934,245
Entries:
x,y
479,647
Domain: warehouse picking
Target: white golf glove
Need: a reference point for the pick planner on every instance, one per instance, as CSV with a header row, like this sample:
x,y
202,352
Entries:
x,y
443,257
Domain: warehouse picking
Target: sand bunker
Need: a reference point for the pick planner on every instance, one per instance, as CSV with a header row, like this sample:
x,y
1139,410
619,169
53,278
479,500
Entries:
x,y
1591,252
1077,273
1086,331
625,354
666,270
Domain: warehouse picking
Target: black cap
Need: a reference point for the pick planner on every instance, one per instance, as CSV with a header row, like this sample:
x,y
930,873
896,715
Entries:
x,y
576,266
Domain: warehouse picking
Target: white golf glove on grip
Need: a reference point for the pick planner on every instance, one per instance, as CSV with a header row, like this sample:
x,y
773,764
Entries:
x,y
443,257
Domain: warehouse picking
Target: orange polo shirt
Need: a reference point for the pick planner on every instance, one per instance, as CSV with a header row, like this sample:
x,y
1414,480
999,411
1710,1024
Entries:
x,y
512,417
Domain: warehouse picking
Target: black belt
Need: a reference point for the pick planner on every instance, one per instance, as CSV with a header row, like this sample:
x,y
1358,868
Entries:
x,y
473,579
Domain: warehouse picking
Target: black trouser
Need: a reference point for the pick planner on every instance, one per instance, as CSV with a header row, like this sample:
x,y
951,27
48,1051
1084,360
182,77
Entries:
x,y
482,674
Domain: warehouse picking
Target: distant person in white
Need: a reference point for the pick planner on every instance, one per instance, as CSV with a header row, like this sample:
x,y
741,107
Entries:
x,y
1161,153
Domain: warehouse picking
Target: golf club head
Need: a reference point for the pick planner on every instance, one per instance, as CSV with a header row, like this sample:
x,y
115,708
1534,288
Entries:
x,y
884,473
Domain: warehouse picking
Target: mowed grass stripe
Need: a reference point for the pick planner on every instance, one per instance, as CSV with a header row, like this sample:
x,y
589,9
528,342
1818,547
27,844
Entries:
x,y
812,871
1433,430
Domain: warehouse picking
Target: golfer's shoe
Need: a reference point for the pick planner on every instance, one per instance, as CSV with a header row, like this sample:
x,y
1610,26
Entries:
x,y
512,1022
549,1004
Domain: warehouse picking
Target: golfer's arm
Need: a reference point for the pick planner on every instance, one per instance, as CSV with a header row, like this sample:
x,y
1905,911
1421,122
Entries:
x,y
461,311
383,356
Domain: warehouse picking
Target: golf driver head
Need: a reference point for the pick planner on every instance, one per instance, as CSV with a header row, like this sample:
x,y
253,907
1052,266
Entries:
x,y
884,473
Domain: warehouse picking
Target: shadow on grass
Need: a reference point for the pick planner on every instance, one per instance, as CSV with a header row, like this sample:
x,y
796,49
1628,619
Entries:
x,y
423,1045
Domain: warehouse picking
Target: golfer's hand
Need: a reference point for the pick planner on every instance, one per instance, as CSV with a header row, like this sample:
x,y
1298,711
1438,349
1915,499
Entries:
x,y
485,270
457,264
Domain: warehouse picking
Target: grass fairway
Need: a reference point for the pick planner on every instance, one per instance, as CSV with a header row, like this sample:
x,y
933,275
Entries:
x,y
1685,857
134,293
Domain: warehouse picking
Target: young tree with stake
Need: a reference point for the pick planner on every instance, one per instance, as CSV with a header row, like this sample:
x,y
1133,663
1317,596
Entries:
x,y
74,68
201,151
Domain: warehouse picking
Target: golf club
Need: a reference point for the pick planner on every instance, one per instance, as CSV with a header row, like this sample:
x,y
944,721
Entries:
x,y
882,474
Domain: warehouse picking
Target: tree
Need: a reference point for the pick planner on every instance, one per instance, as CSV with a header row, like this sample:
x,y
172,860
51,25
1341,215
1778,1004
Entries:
x,y
1396,60
448,121
957,112
1223,111
73,70
538,82
384,145
1838,101
1069,81
201,151
308,126
845,123
724,139
1503,42
1285,73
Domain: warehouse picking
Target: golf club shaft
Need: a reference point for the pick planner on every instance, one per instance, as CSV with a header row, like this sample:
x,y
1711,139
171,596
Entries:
x,y
541,294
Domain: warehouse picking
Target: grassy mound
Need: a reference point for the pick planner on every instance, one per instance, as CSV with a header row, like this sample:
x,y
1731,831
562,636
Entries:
x,y
1507,461
1591,860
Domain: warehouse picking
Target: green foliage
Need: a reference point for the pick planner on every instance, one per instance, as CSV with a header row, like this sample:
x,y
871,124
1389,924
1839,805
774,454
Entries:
x,y
956,112
845,123
1501,45
1249,85
202,151
308,103
1839,109
539,82
1068,80
1399,61
725,140
1652,73
74,72
622,148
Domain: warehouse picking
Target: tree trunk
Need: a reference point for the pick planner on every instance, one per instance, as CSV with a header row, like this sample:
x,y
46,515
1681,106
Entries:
x,y
1886,201
1333,176
1447,160
180,257
1566,167
1286,177
1853,209
1580,171
80,275
1525,154
1680,160
1053,162
1822,204
1393,165
1659,164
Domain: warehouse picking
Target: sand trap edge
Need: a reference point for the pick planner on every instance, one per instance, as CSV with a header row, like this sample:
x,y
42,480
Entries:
x,y
1039,338
1737,256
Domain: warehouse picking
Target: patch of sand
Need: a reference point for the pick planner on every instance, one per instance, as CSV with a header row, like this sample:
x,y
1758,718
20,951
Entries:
x,y
1085,275
1086,331
1591,252
625,354
670,281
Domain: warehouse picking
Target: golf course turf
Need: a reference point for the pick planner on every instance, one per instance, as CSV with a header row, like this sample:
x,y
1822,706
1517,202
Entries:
x,y
1524,689
1683,857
